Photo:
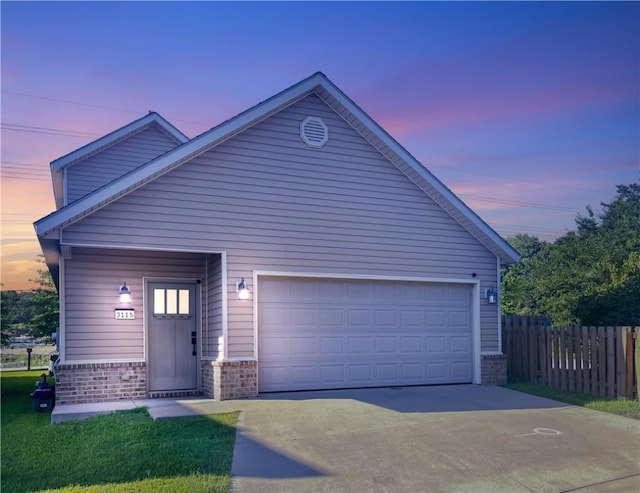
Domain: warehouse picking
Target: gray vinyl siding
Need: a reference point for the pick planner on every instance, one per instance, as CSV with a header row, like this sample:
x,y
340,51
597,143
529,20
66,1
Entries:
x,y
90,174
213,336
274,204
92,279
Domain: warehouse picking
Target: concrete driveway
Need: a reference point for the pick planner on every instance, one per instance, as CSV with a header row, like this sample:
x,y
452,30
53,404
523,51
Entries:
x,y
463,438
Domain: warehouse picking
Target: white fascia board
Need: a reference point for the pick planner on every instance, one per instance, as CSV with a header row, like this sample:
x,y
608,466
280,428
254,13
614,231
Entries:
x,y
186,151
390,142
363,277
116,135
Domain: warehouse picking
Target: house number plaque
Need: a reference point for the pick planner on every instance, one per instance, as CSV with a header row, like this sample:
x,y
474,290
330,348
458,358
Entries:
x,y
124,314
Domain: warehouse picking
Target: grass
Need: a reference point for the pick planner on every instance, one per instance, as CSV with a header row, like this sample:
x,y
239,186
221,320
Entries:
x,y
622,407
120,452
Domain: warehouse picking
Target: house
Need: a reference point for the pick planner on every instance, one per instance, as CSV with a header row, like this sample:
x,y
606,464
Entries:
x,y
295,246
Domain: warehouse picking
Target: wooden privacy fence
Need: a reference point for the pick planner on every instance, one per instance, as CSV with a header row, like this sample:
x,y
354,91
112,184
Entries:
x,y
603,361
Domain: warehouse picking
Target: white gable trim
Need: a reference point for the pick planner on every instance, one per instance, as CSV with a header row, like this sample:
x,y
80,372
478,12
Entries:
x,y
115,136
317,82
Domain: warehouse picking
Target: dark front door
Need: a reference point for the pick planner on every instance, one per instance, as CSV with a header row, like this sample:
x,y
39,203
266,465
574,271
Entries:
x,y
173,341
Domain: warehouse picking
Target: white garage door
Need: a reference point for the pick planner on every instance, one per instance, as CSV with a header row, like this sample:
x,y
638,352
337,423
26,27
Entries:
x,y
328,334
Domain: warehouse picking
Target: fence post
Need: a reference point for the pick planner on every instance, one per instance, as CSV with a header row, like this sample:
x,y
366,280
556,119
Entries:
x,y
611,363
542,355
621,362
636,386
593,359
584,358
602,362
532,350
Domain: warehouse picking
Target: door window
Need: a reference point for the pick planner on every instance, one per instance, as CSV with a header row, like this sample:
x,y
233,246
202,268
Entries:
x,y
171,302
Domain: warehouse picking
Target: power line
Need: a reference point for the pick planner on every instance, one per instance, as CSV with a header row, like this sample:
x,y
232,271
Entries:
x,y
507,178
98,106
12,176
47,131
24,172
65,101
533,205
19,163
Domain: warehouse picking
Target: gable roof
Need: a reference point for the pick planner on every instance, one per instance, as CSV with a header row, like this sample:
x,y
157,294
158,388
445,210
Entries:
x,y
152,118
319,84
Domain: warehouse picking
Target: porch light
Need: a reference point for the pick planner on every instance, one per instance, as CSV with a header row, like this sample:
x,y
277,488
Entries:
x,y
125,294
242,290
491,295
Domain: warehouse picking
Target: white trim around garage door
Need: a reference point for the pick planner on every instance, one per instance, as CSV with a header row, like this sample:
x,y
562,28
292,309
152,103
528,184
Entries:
x,y
475,303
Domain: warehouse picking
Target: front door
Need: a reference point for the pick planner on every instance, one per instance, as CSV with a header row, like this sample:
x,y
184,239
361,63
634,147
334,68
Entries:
x,y
173,335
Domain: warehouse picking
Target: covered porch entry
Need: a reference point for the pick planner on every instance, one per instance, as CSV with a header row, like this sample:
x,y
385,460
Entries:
x,y
161,342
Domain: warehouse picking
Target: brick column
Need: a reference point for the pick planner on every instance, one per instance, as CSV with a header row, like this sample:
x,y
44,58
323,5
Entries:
x,y
493,368
235,379
208,387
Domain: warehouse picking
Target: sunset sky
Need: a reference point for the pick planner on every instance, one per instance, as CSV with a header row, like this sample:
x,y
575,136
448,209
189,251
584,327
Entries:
x,y
528,111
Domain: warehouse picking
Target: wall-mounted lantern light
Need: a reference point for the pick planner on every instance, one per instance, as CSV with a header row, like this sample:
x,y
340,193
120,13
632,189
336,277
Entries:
x,y
492,295
242,290
125,294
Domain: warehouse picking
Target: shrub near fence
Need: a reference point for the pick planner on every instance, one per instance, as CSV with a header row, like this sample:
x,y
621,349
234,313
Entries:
x,y
603,361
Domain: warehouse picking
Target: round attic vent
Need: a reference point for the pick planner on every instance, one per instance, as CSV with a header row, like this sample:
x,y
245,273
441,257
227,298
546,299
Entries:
x,y
314,132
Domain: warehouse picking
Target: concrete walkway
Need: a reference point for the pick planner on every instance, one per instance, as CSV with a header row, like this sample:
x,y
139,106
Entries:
x,y
413,439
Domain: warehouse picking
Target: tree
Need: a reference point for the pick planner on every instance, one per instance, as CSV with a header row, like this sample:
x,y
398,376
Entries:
x,y
586,277
45,305
519,280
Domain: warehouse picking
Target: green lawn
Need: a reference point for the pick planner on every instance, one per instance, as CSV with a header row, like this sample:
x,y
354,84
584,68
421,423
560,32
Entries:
x,y
622,407
120,452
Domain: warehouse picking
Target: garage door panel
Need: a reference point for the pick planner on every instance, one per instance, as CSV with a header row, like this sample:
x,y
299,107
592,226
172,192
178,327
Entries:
x,y
411,344
412,372
275,315
411,292
460,369
387,292
273,376
359,345
386,345
384,318
387,373
274,346
303,316
435,344
360,374
459,319
358,316
459,344
339,333
331,317
303,346
304,374
333,374
436,320
436,371
331,346
410,318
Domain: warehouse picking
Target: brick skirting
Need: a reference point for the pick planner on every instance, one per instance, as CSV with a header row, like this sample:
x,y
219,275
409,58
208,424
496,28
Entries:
x,y
493,369
100,382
